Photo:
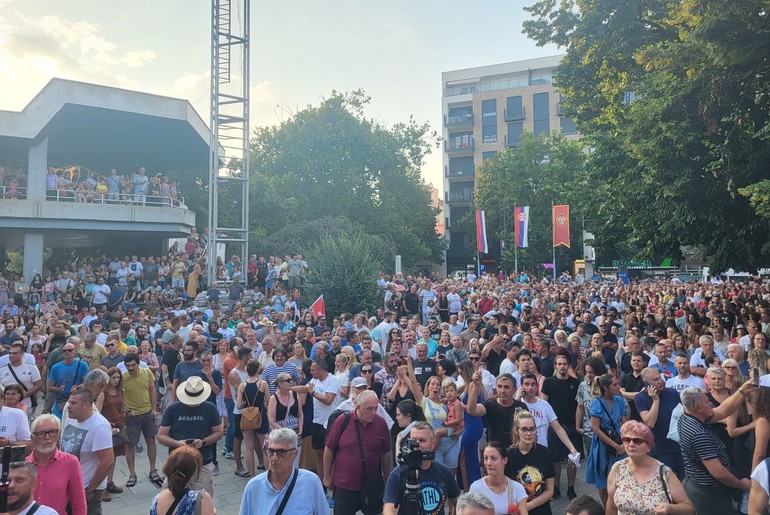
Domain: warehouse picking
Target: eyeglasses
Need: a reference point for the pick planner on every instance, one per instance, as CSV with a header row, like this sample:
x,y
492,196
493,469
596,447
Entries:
x,y
474,358
68,350
729,367
366,371
636,441
106,345
281,453
42,434
527,429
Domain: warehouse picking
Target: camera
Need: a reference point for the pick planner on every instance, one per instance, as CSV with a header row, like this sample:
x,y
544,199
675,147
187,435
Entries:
x,y
9,455
410,454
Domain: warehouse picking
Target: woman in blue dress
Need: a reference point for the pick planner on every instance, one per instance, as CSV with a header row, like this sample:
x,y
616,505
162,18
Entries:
x,y
181,469
608,412
470,470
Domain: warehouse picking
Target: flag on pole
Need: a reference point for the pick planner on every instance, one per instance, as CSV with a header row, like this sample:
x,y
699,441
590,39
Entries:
x,y
318,308
481,232
521,223
561,225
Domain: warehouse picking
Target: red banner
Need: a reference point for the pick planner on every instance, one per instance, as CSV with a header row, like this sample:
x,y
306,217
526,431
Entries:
x,y
561,225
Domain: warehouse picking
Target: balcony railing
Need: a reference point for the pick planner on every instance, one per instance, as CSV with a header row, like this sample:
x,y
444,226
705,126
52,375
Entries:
x,y
458,172
92,197
514,115
456,120
512,140
454,146
465,195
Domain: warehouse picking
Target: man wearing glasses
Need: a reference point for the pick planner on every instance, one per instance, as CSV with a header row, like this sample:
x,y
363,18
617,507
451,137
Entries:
x,y
58,471
63,376
114,356
298,490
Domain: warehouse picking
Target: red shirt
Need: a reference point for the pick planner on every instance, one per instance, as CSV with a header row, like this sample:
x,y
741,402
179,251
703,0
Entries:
x,y
375,437
59,483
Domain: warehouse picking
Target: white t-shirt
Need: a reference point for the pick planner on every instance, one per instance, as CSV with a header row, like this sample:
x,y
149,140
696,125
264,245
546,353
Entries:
x,y
41,510
760,476
84,440
679,384
26,373
321,411
697,358
14,425
543,414
501,501
101,293
28,358
508,367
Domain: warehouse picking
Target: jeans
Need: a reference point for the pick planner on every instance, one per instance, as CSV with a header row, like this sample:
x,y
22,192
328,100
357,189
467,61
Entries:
x,y
230,405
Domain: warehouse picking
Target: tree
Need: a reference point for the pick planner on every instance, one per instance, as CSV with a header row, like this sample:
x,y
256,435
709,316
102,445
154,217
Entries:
x,y
672,98
541,171
331,161
345,272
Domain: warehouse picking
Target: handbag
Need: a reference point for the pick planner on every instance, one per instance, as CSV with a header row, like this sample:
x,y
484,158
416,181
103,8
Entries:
x,y
613,433
373,491
120,438
251,415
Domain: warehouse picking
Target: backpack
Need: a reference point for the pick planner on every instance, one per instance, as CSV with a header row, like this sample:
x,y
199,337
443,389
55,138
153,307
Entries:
x,y
251,415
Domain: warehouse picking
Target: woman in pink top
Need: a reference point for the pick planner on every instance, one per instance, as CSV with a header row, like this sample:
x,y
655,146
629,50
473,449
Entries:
x,y
59,478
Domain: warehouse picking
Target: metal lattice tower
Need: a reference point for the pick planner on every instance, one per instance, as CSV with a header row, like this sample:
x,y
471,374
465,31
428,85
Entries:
x,y
229,146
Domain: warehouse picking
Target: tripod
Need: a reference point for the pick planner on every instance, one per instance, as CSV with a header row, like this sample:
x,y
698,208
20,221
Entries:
x,y
411,504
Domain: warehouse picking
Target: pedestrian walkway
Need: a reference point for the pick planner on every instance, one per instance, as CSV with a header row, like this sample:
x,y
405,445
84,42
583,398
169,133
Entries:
x,y
228,488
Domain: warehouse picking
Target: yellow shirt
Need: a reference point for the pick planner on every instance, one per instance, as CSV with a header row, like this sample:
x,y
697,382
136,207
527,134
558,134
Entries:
x,y
92,356
136,394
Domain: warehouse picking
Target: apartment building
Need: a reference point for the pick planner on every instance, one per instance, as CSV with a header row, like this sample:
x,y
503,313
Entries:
x,y
485,110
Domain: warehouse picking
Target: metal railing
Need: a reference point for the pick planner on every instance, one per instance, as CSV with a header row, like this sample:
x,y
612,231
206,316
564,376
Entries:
x,y
461,119
455,146
512,115
93,197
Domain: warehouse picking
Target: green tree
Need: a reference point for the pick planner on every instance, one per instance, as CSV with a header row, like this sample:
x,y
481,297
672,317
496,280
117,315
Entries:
x,y
672,98
345,272
541,171
331,161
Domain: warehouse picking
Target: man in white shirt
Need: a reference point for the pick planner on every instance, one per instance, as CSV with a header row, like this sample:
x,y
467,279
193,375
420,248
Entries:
x,y
88,436
24,374
14,427
508,365
684,378
698,359
325,389
385,327
101,293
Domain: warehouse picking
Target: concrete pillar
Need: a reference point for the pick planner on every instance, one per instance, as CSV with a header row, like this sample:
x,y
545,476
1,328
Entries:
x,y
33,254
37,169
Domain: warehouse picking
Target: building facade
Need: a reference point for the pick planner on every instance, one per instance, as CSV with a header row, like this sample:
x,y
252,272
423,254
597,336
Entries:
x,y
486,110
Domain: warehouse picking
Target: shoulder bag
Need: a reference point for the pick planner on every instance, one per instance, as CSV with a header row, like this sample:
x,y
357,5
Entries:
x,y
373,491
664,482
288,493
613,433
251,415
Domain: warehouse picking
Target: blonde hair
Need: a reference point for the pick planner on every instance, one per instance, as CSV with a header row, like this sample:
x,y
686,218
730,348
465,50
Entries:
x,y
351,354
521,415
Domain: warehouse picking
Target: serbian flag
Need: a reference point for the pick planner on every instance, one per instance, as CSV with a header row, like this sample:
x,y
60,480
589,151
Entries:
x,y
318,308
561,225
521,223
481,232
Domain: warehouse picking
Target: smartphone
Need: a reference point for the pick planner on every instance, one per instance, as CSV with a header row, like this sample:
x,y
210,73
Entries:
x,y
755,376
189,441
647,384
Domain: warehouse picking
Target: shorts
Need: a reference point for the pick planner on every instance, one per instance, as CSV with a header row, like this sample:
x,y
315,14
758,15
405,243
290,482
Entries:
x,y
319,437
448,451
138,425
177,283
294,282
557,449
348,501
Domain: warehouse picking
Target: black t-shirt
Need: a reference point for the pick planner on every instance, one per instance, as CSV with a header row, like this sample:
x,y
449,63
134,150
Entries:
x,y
441,351
412,301
545,364
531,470
186,422
562,395
625,363
493,360
500,420
171,358
424,370
632,384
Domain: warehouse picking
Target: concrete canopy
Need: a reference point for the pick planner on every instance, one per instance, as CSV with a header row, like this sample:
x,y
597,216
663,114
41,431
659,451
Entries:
x,y
102,127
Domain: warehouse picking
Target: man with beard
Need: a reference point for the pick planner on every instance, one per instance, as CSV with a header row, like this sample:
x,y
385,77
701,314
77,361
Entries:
x,y
22,478
188,367
411,302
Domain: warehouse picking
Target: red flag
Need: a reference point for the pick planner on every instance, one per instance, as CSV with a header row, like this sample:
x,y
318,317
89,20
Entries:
x,y
561,225
318,308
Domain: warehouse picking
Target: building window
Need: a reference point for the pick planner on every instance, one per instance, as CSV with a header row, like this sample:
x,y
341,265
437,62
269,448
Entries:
x,y
460,116
541,113
514,133
461,167
489,155
513,109
567,126
489,121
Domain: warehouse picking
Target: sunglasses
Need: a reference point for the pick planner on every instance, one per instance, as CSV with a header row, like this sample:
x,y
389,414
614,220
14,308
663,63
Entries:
x,y
281,453
68,350
474,359
367,371
636,441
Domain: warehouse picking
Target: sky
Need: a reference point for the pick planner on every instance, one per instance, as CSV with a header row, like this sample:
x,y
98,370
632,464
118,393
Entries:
x,y
301,50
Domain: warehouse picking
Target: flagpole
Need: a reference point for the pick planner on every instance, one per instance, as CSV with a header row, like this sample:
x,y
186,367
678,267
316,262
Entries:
x,y
515,242
553,228
478,264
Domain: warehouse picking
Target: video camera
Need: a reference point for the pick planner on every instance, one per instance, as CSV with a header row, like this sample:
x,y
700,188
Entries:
x,y
410,454
9,455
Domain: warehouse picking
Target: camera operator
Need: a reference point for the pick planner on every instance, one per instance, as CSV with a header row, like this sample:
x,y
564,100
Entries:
x,y
437,485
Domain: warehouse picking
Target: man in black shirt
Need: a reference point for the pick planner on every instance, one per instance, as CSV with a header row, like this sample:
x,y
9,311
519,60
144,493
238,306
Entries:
x,y
411,302
494,353
499,411
170,360
631,384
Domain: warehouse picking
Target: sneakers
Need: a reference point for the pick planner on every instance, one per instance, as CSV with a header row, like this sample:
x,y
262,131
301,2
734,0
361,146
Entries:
x,y
229,455
216,470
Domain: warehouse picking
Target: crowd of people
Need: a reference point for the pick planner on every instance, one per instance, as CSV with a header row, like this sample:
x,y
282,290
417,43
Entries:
x,y
477,392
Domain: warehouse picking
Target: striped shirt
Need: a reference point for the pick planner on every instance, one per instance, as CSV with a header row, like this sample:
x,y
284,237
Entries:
x,y
698,445
271,372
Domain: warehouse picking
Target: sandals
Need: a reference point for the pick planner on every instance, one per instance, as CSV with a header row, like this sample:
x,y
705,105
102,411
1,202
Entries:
x,y
155,479
131,481
242,473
